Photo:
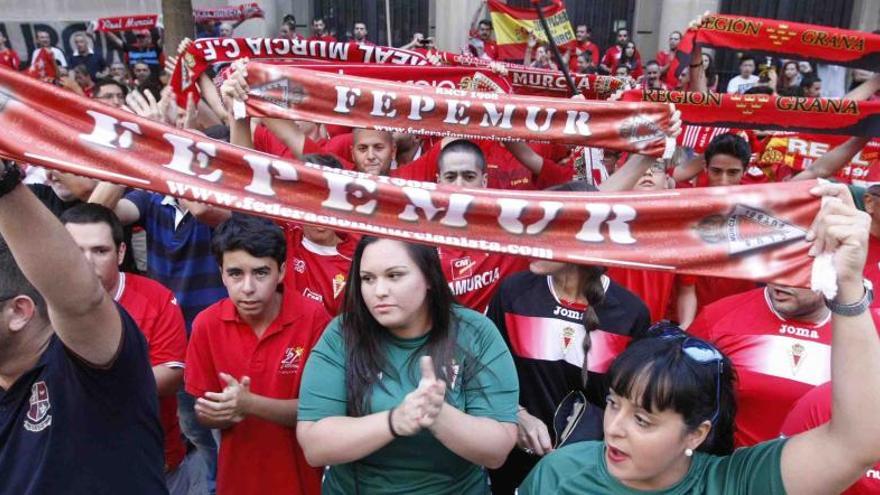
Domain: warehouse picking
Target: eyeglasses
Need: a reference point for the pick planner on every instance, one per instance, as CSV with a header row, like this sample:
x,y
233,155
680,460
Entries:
x,y
697,350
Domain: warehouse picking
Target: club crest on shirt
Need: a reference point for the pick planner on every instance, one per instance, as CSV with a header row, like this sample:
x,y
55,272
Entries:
x,y
338,284
299,266
462,268
313,295
38,417
290,361
567,339
797,353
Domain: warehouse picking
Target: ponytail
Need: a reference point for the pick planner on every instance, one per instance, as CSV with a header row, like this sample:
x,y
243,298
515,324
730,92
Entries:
x,y
593,290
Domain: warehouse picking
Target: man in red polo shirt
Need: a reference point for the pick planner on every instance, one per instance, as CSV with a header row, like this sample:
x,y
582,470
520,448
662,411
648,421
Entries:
x,y
583,46
98,233
318,33
245,360
779,340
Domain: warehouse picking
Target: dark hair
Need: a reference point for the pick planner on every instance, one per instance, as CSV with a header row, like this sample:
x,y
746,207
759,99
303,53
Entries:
x,y
791,91
106,81
622,29
485,22
746,58
324,159
759,90
589,280
289,20
14,283
656,373
630,61
709,71
82,70
808,80
258,237
729,144
676,32
652,62
463,146
365,337
95,213
588,28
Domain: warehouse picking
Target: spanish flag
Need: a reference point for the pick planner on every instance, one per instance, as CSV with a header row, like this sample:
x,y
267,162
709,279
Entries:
x,y
512,27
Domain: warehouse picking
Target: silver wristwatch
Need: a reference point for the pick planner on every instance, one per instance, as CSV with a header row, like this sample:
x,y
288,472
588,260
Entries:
x,y
856,308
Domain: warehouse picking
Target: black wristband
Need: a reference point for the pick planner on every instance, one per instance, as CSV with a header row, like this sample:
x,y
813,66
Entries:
x,y
391,424
10,177
695,66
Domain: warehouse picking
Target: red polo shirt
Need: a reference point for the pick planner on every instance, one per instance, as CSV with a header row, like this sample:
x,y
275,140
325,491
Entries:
x,y
257,456
154,309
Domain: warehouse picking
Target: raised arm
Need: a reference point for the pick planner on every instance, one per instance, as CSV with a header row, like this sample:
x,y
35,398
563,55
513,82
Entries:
x,y
831,457
829,163
80,310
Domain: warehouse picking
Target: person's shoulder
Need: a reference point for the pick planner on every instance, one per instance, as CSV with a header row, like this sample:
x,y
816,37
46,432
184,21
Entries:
x,y
149,287
305,306
753,297
474,320
562,465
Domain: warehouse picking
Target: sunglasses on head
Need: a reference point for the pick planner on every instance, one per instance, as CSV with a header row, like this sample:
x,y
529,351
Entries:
x,y
698,351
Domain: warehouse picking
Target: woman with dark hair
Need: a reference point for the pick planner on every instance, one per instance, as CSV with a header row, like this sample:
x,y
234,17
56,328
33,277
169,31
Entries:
x,y
564,324
629,57
367,411
791,77
671,399
711,74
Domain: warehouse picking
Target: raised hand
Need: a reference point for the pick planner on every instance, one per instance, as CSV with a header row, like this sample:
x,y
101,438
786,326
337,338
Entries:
x,y
229,405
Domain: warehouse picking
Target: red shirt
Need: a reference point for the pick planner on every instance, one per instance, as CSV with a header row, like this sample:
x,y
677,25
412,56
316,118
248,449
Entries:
x,y
777,360
813,410
711,289
155,310
474,276
872,266
318,272
653,287
257,456
10,58
325,37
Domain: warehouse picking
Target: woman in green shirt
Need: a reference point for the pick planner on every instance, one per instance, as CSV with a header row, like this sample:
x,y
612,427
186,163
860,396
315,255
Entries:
x,y
668,395
406,392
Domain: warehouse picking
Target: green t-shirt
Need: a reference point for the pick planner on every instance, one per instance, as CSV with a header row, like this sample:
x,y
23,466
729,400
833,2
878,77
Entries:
x,y
580,469
418,464
858,195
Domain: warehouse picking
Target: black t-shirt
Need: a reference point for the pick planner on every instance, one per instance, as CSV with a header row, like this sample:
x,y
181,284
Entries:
x,y
67,427
545,336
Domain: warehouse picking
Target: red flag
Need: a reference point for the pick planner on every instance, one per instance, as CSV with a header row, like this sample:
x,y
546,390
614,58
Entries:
x,y
43,66
513,25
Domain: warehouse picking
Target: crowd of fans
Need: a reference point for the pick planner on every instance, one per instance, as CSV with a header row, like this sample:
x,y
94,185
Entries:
x,y
301,359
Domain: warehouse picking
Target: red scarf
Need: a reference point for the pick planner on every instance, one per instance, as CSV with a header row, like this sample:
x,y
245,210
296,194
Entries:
x,y
299,94
750,232
231,13
768,112
205,52
126,23
800,41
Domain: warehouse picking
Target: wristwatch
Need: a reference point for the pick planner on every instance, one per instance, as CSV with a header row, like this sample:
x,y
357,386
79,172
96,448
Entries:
x,y
855,308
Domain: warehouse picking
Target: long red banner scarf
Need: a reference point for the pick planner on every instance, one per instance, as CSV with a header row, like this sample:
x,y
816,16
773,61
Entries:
x,y
770,112
126,23
750,232
543,82
205,52
512,27
800,41
299,94
466,78
232,13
